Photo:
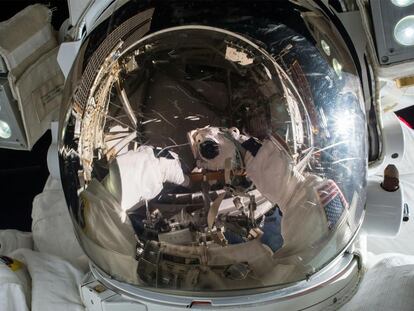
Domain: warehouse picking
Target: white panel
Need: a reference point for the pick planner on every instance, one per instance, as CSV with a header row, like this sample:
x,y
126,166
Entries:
x,y
384,210
67,54
76,9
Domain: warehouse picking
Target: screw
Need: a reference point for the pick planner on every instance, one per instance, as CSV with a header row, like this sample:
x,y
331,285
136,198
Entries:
x,y
406,213
391,181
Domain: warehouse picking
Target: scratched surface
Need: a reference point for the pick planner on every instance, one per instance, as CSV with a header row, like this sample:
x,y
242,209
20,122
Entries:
x,y
230,157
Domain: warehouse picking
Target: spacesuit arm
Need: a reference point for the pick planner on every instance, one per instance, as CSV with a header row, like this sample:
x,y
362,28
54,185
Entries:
x,y
307,201
273,172
139,175
275,175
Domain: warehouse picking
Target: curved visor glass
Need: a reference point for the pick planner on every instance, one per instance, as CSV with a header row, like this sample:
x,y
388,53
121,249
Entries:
x,y
214,156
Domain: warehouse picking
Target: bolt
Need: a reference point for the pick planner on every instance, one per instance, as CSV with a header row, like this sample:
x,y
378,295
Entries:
x,y
391,180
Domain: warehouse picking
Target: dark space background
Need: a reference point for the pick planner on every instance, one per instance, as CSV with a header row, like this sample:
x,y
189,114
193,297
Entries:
x,y
24,173
407,115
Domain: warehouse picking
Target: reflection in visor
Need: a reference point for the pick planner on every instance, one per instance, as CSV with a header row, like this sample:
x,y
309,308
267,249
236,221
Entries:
x,y
202,163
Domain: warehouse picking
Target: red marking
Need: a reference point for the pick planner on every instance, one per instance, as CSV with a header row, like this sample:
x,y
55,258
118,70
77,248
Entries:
x,y
405,122
329,191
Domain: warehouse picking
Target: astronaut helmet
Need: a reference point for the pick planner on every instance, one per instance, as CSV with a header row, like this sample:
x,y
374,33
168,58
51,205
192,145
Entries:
x,y
214,147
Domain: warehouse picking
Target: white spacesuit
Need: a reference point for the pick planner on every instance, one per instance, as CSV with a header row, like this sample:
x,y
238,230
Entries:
x,y
313,208
161,80
135,177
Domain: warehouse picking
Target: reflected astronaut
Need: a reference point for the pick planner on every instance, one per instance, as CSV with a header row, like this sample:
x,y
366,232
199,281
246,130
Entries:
x,y
304,209
311,206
